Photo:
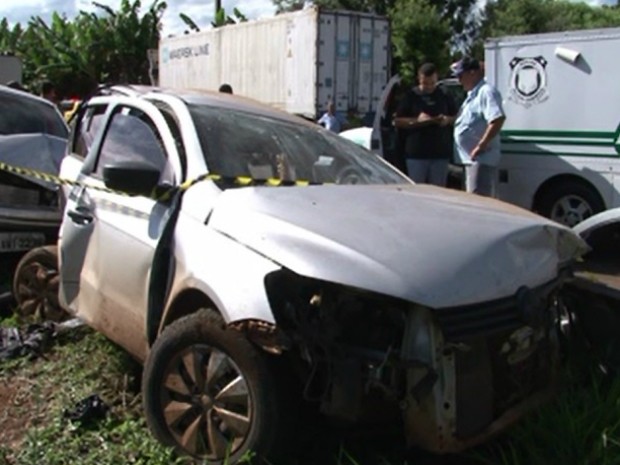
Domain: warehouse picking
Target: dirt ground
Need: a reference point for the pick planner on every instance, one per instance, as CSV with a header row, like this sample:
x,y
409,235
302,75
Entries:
x,y
23,406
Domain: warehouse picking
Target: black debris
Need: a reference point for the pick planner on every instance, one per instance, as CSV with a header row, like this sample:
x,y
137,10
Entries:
x,y
87,410
33,340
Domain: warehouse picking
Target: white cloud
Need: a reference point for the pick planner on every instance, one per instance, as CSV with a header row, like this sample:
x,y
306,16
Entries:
x,y
200,11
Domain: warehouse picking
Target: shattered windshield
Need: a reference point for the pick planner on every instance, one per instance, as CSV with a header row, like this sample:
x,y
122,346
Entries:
x,y
237,144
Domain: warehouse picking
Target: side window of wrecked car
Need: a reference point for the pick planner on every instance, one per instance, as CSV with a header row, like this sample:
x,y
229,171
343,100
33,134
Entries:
x,y
86,130
132,136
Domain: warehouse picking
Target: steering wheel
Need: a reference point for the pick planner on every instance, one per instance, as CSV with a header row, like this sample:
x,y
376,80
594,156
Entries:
x,y
349,175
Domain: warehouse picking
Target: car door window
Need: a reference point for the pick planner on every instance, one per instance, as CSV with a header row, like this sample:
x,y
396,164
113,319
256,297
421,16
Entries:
x,y
132,136
175,129
87,129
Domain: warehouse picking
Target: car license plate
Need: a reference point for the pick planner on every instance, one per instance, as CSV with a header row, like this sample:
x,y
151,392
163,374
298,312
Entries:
x,y
16,242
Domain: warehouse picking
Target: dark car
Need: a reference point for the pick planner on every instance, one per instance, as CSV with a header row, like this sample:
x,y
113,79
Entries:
x,y
33,136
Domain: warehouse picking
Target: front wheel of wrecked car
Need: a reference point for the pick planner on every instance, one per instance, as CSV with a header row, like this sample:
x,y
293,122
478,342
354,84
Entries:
x,y
35,285
211,394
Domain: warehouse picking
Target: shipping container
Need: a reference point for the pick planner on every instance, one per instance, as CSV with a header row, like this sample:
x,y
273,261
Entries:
x,y
10,69
296,61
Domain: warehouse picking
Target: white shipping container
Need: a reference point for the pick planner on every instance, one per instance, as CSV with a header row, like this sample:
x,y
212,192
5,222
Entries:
x,y
10,69
295,61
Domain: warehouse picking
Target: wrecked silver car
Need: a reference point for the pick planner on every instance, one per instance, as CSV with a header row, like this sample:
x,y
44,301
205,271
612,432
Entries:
x,y
259,260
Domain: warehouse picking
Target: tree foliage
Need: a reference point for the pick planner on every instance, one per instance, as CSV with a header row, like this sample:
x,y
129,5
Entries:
x,y
76,55
419,34
9,36
435,26
513,17
222,19
460,15
463,19
111,45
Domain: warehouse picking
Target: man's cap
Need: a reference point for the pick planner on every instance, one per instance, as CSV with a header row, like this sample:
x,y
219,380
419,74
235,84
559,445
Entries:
x,y
464,64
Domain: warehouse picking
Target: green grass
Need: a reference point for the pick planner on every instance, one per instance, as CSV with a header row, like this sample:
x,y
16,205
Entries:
x,y
580,427
79,364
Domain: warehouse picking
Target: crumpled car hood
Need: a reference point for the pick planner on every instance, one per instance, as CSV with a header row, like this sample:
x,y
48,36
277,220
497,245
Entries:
x,y
39,152
435,247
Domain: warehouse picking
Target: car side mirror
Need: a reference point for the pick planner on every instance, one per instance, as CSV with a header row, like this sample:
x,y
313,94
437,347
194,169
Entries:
x,y
134,178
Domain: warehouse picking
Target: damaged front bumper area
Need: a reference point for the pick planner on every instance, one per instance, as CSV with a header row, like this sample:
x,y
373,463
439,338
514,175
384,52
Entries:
x,y
453,376
29,214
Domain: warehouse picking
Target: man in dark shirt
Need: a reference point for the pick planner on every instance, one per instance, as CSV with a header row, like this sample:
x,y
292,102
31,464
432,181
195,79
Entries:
x,y
424,119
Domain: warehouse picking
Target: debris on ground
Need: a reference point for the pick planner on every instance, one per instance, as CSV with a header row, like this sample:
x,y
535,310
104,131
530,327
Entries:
x,y
33,340
87,410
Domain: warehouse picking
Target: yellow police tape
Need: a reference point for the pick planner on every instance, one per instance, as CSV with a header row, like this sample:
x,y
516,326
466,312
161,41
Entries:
x,y
160,193
50,178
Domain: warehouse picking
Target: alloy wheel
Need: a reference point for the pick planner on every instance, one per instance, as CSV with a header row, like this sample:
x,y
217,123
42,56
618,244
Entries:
x,y
206,402
571,210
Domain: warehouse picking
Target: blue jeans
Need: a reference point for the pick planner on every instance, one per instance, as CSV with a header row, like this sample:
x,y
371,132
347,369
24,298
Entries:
x,y
428,171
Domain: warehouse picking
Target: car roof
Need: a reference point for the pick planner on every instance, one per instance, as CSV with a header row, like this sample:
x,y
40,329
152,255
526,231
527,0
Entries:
x,y
25,94
208,98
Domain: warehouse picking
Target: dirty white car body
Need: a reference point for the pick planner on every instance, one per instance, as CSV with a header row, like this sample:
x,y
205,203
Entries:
x,y
436,304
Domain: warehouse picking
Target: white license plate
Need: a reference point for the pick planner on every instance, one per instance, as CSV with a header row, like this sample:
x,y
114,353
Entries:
x,y
16,242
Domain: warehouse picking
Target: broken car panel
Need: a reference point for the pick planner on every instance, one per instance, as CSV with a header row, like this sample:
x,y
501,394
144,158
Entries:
x,y
380,298
408,256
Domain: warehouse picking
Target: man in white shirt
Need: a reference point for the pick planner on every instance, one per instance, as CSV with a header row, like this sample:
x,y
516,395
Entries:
x,y
477,128
330,120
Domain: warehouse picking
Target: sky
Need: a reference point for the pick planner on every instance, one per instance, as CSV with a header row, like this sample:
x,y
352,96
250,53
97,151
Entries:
x,y
201,11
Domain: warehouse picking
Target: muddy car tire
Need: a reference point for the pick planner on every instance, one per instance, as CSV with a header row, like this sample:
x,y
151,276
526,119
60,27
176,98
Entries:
x,y
210,394
35,286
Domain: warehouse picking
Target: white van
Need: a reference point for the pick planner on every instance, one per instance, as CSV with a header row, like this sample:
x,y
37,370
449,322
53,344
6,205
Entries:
x,y
561,153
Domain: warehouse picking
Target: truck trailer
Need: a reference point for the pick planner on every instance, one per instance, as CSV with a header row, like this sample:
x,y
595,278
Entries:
x,y
296,62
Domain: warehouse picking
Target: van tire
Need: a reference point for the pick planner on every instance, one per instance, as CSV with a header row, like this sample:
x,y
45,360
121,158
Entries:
x,y
174,402
569,202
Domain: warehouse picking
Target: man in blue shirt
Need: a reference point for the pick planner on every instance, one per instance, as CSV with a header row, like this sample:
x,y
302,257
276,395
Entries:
x,y
331,120
477,127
